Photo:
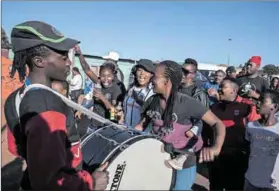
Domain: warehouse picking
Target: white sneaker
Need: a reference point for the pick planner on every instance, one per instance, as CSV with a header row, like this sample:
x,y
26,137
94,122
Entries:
x,y
177,163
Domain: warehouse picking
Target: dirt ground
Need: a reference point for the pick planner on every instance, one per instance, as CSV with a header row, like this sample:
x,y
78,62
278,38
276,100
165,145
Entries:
x,y
12,167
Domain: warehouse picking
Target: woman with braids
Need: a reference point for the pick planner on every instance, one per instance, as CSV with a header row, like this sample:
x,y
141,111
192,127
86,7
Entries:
x,y
38,119
170,113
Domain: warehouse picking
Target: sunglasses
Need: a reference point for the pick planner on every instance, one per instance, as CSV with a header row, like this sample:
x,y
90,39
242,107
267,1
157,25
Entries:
x,y
186,72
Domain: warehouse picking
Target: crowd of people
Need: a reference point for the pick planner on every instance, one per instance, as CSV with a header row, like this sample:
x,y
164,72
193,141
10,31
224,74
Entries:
x,y
230,123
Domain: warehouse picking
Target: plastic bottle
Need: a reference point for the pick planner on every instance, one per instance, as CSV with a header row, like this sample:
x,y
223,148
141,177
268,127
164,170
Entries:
x,y
119,110
119,107
88,101
98,87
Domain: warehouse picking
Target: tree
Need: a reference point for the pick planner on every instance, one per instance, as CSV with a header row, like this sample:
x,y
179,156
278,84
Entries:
x,y
271,69
4,40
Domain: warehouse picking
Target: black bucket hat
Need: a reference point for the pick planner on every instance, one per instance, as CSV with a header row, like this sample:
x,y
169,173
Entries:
x,y
147,65
34,33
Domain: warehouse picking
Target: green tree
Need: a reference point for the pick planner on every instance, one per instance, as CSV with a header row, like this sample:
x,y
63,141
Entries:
x,y
271,69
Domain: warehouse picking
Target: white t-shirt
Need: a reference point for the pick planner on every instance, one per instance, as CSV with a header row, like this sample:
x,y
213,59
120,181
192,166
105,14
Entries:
x,y
263,170
76,83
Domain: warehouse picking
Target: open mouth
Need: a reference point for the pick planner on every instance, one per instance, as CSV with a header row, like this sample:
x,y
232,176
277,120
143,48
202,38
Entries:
x,y
142,79
106,84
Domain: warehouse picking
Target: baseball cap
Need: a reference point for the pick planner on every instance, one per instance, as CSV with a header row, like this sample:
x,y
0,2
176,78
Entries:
x,y
256,59
112,55
231,69
34,33
147,65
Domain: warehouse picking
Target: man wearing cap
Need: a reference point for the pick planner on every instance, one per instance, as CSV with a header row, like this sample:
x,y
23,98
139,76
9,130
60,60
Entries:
x,y
231,72
38,119
114,56
252,85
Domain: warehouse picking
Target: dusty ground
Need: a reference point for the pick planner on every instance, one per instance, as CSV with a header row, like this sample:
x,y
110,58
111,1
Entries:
x,y
13,167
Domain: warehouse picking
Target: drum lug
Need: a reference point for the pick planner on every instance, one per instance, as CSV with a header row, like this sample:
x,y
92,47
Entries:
x,y
123,147
114,128
131,132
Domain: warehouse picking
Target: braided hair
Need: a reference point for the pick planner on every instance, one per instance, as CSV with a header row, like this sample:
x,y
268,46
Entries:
x,y
173,73
24,57
109,66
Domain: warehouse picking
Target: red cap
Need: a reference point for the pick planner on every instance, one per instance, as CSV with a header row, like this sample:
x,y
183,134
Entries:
x,y
256,59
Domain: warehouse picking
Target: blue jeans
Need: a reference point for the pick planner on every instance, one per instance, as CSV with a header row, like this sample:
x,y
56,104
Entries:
x,y
185,178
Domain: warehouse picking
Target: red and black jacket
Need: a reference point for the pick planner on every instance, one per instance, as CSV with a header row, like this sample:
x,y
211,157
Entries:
x,y
48,140
235,116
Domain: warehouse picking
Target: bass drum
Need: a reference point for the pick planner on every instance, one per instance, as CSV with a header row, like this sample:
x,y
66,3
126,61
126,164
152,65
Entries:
x,y
136,160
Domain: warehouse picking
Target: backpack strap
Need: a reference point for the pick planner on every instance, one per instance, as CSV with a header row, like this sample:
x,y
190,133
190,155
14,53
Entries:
x,y
17,103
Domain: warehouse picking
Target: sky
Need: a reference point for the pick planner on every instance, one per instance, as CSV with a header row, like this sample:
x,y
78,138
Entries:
x,y
161,30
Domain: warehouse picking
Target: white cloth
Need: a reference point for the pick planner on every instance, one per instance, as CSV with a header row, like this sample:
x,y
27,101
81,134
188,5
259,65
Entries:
x,y
76,83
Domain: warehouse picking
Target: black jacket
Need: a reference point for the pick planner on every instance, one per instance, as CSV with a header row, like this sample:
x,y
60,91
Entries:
x,y
196,93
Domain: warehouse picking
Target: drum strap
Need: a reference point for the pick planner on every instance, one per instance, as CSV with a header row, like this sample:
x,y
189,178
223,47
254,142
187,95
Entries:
x,y
172,151
68,102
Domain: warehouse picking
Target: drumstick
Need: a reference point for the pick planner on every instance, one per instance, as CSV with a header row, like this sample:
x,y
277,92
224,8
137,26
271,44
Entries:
x,y
76,106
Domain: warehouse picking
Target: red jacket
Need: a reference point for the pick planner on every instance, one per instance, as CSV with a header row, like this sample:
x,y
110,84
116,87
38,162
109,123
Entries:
x,y
253,116
235,116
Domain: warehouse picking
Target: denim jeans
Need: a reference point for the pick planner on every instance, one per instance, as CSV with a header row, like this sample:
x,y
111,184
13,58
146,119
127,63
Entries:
x,y
185,178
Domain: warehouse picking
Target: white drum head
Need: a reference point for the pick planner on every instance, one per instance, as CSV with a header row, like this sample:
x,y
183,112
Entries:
x,y
141,167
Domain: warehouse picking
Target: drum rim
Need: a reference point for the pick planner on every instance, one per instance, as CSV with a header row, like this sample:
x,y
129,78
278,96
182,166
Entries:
x,y
90,135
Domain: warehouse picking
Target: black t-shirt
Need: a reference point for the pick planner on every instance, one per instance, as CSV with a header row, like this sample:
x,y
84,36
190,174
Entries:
x,y
185,109
113,93
257,84
122,89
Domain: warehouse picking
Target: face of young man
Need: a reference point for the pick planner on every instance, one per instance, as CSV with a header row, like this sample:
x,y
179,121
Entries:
x,y
265,106
56,65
